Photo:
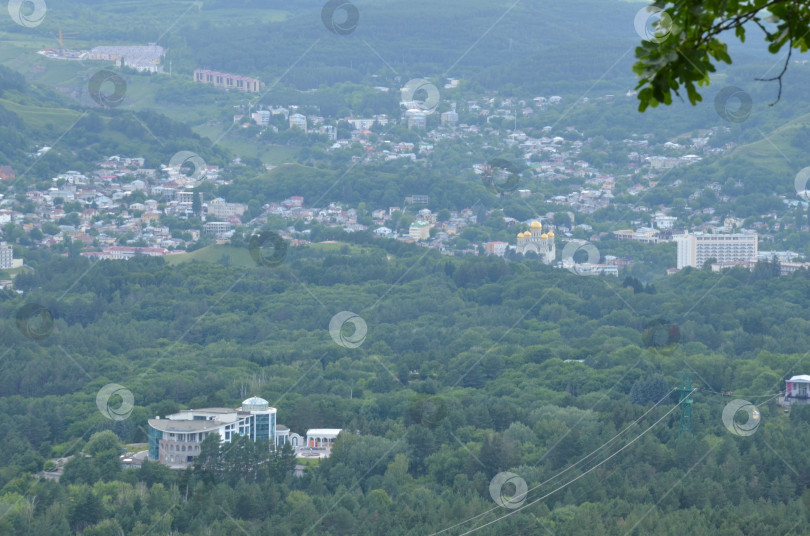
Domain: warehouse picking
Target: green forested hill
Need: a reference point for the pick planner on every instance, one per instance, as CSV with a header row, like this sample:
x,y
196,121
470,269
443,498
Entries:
x,y
487,344
418,38
33,117
468,367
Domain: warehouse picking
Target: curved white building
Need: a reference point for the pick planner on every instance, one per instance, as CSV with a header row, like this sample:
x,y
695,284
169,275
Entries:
x,y
175,440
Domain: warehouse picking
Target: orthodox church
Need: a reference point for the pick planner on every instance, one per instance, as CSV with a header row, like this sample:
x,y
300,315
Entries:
x,y
537,241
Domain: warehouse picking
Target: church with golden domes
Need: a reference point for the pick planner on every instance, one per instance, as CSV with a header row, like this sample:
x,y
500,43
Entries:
x,y
537,241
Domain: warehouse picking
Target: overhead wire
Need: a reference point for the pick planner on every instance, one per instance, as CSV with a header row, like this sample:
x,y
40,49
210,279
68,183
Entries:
x,y
579,476
570,467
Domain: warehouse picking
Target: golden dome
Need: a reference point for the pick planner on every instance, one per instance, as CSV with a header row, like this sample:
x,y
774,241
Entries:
x,y
544,236
521,235
551,234
537,225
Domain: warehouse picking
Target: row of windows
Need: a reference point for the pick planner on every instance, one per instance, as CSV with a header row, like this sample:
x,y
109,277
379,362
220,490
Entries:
x,y
727,246
174,459
227,81
182,448
725,239
193,437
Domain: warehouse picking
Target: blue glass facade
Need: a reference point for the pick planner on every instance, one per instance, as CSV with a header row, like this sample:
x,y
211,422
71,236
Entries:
x,y
154,443
262,430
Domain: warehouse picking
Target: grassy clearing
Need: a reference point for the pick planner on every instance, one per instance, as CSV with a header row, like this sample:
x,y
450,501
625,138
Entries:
x,y
238,256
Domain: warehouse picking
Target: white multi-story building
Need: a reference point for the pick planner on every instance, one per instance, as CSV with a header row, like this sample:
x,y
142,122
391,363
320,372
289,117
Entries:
x,y
220,209
298,121
419,230
6,256
261,118
496,248
217,227
417,119
662,221
695,249
175,440
361,124
140,57
449,119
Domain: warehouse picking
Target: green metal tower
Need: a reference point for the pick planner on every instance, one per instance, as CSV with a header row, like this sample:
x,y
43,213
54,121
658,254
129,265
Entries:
x,y
687,425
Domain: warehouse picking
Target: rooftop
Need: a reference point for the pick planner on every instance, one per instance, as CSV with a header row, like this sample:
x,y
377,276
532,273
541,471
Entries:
x,y
170,425
209,410
802,378
324,431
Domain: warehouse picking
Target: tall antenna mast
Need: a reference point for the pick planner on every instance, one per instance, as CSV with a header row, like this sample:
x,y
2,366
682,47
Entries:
x,y
687,425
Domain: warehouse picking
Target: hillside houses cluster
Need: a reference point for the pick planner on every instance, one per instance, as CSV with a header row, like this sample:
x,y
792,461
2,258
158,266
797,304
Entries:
x,y
123,204
103,201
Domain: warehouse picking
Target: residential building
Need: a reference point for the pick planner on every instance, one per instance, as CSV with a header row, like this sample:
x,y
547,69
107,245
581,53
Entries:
x,y
124,253
220,209
217,227
417,119
496,248
227,81
384,232
449,119
417,200
141,58
587,268
280,110
295,201
298,121
785,268
662,221
695,249
419,230
644,234
261,118
6,256
329,130
361,124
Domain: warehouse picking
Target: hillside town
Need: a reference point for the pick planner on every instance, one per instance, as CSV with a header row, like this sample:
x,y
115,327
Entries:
x,y
122,209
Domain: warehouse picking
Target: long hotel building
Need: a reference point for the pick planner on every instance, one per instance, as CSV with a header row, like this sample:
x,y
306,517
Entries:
x,y
227,81
696,249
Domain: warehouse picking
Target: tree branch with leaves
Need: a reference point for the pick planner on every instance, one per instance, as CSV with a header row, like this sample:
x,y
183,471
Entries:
x,y
687,42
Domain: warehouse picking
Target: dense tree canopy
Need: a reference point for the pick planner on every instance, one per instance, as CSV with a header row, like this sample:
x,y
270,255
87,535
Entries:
x,y
499,366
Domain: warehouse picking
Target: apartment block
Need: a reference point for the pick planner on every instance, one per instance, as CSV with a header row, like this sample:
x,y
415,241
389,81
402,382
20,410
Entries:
x,y
695,249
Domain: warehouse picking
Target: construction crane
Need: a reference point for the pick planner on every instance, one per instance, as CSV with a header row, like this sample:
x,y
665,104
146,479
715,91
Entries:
x,y
61,36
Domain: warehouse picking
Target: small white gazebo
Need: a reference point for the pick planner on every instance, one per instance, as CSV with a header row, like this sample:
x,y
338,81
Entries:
x,y
322,437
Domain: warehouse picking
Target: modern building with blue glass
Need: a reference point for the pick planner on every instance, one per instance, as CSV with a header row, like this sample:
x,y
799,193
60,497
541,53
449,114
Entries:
x,y
175,440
